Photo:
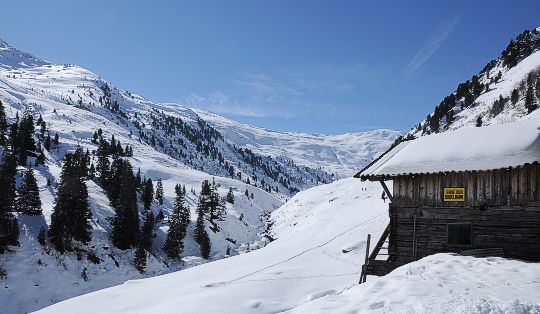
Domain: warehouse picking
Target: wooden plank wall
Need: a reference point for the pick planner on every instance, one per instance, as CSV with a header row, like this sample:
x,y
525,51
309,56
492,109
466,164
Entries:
x,y
516,231
502,187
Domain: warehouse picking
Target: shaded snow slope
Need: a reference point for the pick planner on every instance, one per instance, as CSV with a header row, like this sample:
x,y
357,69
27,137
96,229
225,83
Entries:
x,y
319,250
342,154
442,283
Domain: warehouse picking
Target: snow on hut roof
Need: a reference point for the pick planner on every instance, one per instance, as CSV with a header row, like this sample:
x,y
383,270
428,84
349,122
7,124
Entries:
x,y
485,148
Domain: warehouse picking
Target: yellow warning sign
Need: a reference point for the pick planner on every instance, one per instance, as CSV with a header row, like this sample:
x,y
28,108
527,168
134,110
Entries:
x,y
454,194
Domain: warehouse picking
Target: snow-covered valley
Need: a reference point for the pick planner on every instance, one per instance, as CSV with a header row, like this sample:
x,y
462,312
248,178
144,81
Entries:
x,y
292,237
170,142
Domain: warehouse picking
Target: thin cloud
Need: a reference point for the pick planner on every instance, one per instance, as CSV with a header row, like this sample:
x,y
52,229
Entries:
x,y
434,42
286,93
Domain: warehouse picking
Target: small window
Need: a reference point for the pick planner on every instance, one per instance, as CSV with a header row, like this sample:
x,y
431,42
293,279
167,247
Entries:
x,y
459,234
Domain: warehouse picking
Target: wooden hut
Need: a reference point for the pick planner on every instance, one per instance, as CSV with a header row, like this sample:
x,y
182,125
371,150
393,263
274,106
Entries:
x,y
471,191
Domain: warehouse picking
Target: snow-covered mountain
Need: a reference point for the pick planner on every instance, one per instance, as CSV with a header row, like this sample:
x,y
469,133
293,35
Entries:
x,y
505,90
170,142
337,154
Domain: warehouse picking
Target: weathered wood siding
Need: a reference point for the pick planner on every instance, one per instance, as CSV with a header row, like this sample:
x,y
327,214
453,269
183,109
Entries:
x,y
517,231
502,187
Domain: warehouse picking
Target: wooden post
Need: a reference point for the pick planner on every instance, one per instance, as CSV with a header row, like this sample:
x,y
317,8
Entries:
x,y
414,239
363,275
390,196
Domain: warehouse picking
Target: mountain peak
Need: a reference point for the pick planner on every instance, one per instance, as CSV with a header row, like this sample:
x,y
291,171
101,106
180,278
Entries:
x,y
3,44
14,58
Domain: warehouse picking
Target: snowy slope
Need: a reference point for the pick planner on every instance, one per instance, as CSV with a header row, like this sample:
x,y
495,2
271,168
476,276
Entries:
x,y
320,244
341,155
313,267
442,283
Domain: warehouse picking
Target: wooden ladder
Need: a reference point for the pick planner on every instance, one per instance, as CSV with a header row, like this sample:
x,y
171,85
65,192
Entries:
x,y
376,251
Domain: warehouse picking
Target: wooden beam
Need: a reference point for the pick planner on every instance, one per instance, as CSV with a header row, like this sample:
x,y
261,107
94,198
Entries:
x,y
363,275
390,197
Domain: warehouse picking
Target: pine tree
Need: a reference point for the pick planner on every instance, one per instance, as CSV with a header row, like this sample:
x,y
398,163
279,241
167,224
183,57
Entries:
x,y
3,125
147,232
147,195
479,121
42,128
216,207
103,163
29,202
139,261
47,143
159,192
14,137
9,227
230,196
529,95
537,88
138,178
25,136
200,234
125,224
56,139
514,97
71,215
178,223
40,159
7,182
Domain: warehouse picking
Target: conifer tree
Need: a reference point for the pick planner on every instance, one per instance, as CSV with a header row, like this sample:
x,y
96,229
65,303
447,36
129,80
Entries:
x,y
138,178
159,192
479,121
216,207
178,223
9,228
14,137
514,97
529,95
28,201
147,231
537,88
113,186
103,163
42,128
230,196
139,261
125,225
3,125
200,234
71,215
40,159
25,140
56,139
147,195
47,143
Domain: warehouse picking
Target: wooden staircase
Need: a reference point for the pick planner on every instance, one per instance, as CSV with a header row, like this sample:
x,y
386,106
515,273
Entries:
x,y
374,266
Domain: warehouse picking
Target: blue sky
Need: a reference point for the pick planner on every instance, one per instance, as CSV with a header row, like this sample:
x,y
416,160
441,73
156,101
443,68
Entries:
x,y
316,66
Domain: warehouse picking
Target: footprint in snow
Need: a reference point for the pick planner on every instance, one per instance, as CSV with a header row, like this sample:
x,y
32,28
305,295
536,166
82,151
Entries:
x,y
214,284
